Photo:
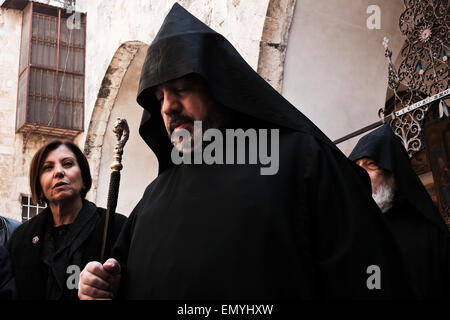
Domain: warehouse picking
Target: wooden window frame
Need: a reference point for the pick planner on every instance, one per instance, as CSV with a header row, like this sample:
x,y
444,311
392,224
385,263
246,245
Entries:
x,y
67,124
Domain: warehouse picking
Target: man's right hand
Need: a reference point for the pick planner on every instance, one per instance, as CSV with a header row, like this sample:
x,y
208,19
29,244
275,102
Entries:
x,y
99,281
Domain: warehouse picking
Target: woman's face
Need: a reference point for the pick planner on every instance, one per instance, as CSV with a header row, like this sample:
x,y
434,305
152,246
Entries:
x,y
60,175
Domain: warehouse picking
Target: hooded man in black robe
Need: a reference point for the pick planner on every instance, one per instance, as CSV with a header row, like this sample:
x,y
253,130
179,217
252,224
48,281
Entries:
x,y
408,210
227,231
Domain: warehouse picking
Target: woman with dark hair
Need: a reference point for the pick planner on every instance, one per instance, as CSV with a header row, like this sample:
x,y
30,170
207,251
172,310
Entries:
x,y
49,250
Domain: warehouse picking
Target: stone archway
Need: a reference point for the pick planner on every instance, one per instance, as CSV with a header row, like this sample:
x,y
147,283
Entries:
x,y
104,104
274,40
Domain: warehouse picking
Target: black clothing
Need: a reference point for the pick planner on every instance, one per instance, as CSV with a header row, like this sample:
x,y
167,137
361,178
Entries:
x,y
42,253
228,232
386,149
7,227
57,235
415,221
7,283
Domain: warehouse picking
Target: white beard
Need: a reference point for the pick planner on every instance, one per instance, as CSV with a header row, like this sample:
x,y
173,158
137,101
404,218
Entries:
x,y
384,197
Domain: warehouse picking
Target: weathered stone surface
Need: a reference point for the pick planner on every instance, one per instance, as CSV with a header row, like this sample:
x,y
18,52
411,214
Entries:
x,y
10,28
274,41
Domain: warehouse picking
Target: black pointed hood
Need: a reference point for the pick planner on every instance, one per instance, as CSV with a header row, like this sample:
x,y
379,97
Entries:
x,y
186,45
387,150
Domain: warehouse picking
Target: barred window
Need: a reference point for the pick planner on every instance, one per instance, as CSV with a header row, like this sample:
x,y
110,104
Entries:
x,y
51,71
30,209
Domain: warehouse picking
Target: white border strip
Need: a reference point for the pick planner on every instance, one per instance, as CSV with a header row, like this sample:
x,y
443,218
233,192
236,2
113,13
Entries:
x,y
423,102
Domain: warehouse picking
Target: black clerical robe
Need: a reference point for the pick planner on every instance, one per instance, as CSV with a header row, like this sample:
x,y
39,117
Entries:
x,y
417,226
228,232
424,248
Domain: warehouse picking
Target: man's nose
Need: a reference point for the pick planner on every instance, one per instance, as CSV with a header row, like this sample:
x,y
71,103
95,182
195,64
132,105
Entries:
x,y
171,103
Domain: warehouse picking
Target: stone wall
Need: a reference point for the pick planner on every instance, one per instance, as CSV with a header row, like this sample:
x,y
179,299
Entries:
x,y
10,31
274,41
335,70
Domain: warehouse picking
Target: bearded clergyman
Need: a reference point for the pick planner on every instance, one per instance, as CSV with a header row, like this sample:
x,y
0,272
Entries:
x,y
408,210
222,229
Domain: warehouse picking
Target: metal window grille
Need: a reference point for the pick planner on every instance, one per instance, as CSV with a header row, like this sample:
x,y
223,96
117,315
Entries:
x,y
30,209
50,97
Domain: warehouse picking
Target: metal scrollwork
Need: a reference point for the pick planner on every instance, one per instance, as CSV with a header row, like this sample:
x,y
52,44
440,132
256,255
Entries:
x,y
424,68
425,64
409,127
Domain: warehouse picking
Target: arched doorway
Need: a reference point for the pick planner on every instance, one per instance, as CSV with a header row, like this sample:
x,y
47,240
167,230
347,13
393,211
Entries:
x,y
117,98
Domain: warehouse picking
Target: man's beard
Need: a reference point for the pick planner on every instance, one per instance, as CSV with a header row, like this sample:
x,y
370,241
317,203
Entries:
x,y
218,118
384,196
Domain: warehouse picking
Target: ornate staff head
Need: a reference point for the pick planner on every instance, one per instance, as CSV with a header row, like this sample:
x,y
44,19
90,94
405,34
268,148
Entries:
x,y
122,133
